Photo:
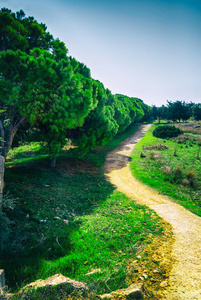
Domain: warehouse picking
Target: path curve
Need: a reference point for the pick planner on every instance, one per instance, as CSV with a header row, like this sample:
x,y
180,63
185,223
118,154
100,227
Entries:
x,y
185,277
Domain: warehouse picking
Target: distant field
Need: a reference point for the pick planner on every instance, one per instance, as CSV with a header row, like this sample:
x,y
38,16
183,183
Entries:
x,y
172,166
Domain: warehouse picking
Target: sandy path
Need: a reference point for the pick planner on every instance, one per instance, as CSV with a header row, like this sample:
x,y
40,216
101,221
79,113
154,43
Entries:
x,y
185,277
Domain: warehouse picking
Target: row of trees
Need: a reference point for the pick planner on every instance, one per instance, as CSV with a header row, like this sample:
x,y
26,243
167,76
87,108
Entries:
x,y
42,88
177,111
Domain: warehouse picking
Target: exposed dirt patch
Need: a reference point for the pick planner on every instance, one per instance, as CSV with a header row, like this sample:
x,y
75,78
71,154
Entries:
x,y
153,268
185,278
70,166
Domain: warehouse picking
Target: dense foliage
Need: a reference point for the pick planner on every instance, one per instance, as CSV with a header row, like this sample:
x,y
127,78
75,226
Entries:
x,y
177,111
166,131
197,111
172,166
53,93
19,32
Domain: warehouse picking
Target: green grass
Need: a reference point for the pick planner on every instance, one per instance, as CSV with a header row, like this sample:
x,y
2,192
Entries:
x,y
174,171
72,221
35,151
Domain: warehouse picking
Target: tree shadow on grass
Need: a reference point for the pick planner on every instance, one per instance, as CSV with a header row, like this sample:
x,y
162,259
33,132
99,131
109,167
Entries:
x,y
47,206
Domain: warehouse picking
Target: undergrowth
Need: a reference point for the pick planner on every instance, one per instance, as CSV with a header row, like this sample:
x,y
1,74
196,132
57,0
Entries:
x,y
172,166
70,220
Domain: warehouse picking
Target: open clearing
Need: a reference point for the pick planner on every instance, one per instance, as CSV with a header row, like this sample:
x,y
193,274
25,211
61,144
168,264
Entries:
x,y
185,278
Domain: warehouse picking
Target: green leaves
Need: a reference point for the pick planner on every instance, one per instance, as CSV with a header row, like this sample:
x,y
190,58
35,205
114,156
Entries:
x,y
127,110
19,32
56,93
57,100
99,126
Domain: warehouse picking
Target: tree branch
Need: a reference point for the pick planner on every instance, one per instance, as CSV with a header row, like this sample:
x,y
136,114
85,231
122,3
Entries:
x,y
17,124
2,133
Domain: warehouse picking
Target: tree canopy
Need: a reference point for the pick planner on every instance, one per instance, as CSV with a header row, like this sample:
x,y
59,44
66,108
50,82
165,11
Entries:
x,y
20,32
197,111
179,110
38,85
176,111
41,84
100,125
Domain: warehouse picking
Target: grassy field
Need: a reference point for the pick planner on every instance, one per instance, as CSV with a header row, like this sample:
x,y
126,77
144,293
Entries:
x,y
172,166
70,220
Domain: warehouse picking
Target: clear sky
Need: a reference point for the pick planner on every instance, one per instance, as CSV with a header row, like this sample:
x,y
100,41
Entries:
x,y
150,49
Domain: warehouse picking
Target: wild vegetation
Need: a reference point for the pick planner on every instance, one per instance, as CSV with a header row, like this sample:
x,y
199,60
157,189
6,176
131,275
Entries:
x,y
177,111
172,165
45,89
166,131
48,96
71,220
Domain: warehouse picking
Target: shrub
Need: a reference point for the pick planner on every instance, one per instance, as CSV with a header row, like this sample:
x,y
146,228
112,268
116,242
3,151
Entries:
x,y
156,147
155,155
167,170
166,131
185,182
178,174
191,175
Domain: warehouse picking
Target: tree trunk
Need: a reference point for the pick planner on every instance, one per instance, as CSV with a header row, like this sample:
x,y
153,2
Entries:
x,y
5,144
12,130
53,162
9,140
2,143
2,167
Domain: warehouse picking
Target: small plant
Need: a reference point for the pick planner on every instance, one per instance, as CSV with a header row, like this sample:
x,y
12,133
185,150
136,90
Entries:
x,y
156,147
182,138
8,201
167,170
185,182
178,174
155,155
166,131
191,175
178,171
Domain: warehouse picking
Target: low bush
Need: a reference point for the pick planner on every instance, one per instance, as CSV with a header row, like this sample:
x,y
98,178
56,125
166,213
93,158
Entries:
x,y
166,131
177,173
191,176
156,147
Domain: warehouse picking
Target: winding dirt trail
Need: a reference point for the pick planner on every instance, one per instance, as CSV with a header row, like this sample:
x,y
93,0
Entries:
x,y
185,277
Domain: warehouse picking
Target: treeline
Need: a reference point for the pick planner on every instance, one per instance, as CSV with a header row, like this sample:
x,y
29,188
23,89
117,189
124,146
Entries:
x,y
177,111
43,90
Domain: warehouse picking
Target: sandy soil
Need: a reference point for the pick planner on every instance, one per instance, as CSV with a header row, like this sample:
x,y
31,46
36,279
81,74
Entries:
x,y
185,277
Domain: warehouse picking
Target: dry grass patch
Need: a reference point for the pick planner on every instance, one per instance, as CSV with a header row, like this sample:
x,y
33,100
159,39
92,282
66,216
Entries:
x,y
192,127
176,172
154,265
156,147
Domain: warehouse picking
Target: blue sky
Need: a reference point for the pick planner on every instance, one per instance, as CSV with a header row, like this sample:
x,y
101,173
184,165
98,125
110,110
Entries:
x,y
150,49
